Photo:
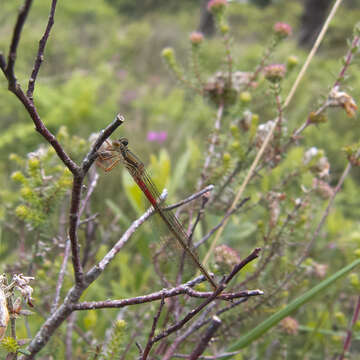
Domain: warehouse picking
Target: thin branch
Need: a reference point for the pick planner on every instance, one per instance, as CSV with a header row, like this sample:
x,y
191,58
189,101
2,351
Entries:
x,y
190,315
61,277
204,342
73,228
88,219
153,328
200,323
9,70
200,214
214,295
324,216
214,357
213,141
104,134
69,335
2,62
220,224
40,54
190,198
91,188
44,131
348,58
190,330
183,289
349,332
242,264
76,196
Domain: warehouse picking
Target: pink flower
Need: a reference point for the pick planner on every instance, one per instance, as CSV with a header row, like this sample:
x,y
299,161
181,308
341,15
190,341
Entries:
x,y
158,136
196,38
283,30
216,5
274,72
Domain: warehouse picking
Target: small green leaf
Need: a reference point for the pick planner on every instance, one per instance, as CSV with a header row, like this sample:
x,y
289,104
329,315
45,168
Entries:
x,y
133,193
179,172
117,211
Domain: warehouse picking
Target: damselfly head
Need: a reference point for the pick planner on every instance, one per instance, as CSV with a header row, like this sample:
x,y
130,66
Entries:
x,y
123,141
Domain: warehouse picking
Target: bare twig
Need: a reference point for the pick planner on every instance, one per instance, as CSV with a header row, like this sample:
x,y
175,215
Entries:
x,y
190,315
190,198
104,134
213,230
88,219
91,188
325,214
190,330
9,70
69,335
349,332
204,342
213,141
215,357
167,293
214,295
61,277
197,325
76,195
348,58
40,55
153,328
242,264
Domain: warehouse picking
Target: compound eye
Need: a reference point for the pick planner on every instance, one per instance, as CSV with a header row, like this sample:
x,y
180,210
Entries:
x,y
124,141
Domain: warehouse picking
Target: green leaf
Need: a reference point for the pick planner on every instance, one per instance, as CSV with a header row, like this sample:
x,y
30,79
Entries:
x,y
117,211
274,319
160,169
133,193
177,177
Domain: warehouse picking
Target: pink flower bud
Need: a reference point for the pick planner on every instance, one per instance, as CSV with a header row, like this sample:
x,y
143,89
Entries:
x,y
216,5
275,72
196,38
282,30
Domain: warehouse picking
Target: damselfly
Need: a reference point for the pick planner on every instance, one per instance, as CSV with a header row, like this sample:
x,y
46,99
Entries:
x,y
117,151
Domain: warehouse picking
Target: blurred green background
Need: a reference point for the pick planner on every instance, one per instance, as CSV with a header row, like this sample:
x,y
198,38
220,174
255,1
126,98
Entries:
x,y
103,58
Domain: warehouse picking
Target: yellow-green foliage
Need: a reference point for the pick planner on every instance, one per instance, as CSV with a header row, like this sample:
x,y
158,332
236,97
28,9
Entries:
x,y
43,183
116,343
98,63
9,345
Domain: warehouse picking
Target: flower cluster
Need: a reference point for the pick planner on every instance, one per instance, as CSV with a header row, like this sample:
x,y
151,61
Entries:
x,y
221,89
157,136
274,72
196,38
225,258
216,6
282,30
